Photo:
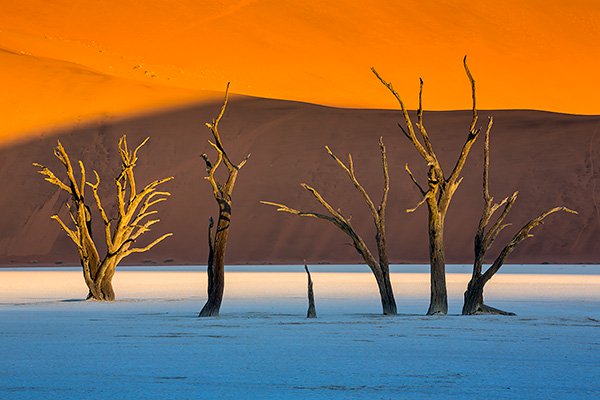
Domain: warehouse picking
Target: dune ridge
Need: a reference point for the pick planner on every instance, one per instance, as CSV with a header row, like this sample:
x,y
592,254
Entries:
x,y
527,55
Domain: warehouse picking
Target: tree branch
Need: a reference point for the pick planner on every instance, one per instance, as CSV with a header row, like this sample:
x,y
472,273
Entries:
x,y
50,177
472,81
420,203
386,179
107,229
148,247
214,128
72,234
518,238
499,225
350,171
421,125
289,210
324,203
486,161
412,177
210,170
411,131
473,133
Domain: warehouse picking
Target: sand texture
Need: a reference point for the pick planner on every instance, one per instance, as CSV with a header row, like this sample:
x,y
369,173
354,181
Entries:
x,y
149,343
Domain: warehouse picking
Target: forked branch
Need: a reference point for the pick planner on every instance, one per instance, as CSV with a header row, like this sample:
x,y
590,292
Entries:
x,y
379,268
411,131
119,232
222,192
520,236
484,238
473,132
440,187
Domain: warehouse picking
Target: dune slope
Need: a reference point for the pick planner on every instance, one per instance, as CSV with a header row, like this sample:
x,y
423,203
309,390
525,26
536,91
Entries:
x,y
550,158
537,54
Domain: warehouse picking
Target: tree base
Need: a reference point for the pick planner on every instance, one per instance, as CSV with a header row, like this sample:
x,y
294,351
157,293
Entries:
x,y
390,310
438,309
386,294
474,305
434,313
106,294
208,314
209,310
483,309
101,300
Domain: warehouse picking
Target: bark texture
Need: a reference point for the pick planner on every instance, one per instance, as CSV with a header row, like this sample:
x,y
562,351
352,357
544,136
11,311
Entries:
x,y
217,241
380,265
312,311
121,232
440,187
485,237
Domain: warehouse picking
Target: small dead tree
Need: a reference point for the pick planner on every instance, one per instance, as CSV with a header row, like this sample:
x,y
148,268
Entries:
x,y
380,266
121,232
484,238
440,188
312,312
217,241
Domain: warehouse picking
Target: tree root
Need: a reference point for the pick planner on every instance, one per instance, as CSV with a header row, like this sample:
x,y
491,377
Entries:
x,y
485,309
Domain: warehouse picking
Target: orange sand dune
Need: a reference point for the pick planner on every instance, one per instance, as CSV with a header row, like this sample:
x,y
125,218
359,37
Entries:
x,y
53,92
135,55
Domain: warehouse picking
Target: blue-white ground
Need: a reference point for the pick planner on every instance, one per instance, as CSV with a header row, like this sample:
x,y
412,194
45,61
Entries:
x,y
150,345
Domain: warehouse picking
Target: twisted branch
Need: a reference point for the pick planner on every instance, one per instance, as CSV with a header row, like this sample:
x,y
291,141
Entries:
x,y
343,223
484,239
520,236
131,208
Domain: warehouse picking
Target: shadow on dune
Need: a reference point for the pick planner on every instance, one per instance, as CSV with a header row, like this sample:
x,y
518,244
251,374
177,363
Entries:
x,y
552,159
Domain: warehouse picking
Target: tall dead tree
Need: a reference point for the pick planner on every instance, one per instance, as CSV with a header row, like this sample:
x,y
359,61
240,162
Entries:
x,y
312,311
120,232
440,188
484,238
379,266
217,241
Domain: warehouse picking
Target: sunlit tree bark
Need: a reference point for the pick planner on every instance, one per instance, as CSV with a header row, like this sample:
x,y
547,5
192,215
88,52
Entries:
x,y
121,232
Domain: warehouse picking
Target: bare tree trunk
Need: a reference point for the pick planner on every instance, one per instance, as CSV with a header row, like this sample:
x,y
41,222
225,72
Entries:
x,y
106,287
386,293
484,238
103,291
473,300
217,275
100,285
440,188
223,194
439,298
212,306
312,312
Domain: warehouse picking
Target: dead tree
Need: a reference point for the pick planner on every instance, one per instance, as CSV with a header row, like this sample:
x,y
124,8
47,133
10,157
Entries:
x,y
121,232
484,238
312,312
380,266
440,188
217,241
